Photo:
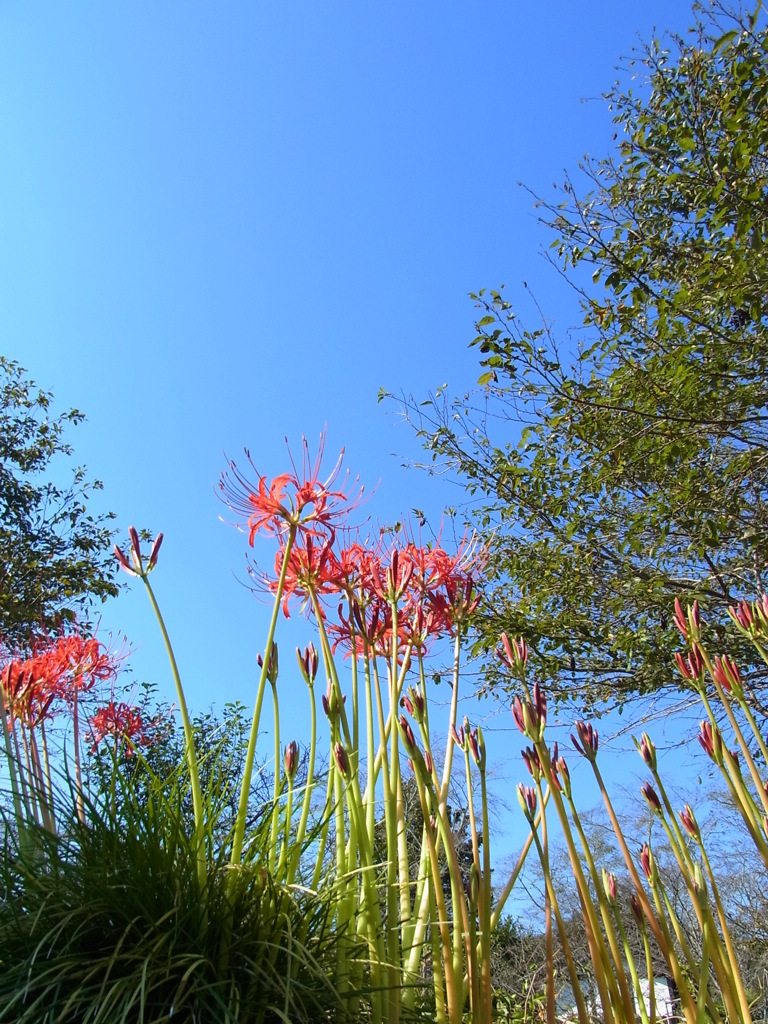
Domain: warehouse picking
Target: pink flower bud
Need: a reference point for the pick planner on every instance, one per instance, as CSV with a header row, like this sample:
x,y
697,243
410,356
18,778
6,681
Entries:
x,y
652,797
291,758
690,824
155,551
125,565
342,760
588,740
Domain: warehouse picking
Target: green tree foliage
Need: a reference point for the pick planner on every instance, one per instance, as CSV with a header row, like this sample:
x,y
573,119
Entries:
x,y
55,557
628,463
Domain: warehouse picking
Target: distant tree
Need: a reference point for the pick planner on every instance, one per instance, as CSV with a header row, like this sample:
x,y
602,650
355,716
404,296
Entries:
x,y
628,463
55,557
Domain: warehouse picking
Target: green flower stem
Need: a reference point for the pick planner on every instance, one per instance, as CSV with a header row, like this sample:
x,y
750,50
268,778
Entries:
x,y
21,818
308,790
451,722
719,959
658,927
277,785
701,1001
327,815
631,964
453,995
618,966
245,786
369,799
48,779
515,873
189,742
735,973
581,1007
598,950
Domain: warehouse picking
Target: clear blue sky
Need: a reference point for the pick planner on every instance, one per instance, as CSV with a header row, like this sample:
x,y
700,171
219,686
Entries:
x,y
226,223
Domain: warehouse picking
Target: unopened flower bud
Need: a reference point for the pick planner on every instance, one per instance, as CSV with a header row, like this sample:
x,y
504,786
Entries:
x,y
647,751
123,562
527,799
609,885
291,759
587,742
341,758
690,824
647,862
637,910
652,797
409,740
155,551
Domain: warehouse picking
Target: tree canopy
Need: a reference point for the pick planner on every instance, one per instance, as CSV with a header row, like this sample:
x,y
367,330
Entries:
x,y
55,556
626,462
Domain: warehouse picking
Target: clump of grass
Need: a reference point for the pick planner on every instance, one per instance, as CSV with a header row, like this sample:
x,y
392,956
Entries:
x,y
107,922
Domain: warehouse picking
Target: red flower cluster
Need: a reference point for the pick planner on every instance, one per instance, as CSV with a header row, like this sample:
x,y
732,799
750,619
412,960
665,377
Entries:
x,y
121,721
433,591
57,669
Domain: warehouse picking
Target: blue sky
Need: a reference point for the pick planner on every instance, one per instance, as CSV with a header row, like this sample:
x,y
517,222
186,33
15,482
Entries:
x,y
224,224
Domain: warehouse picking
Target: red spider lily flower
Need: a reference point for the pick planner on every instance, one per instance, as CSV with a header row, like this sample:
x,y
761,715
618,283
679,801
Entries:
x,y
588,740
296,499
689,624
726,673
652,797
121,721
691,668
455,601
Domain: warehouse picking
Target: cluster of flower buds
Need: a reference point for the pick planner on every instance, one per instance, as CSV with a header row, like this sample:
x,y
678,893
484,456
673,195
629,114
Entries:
x,y
414,704
688,819
331,705
692,666
514,653
689,622
527,799
531,716
711,740
751,618
726,673
561,776
587,742
308,662
648,863
138,568
272,666
647,750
